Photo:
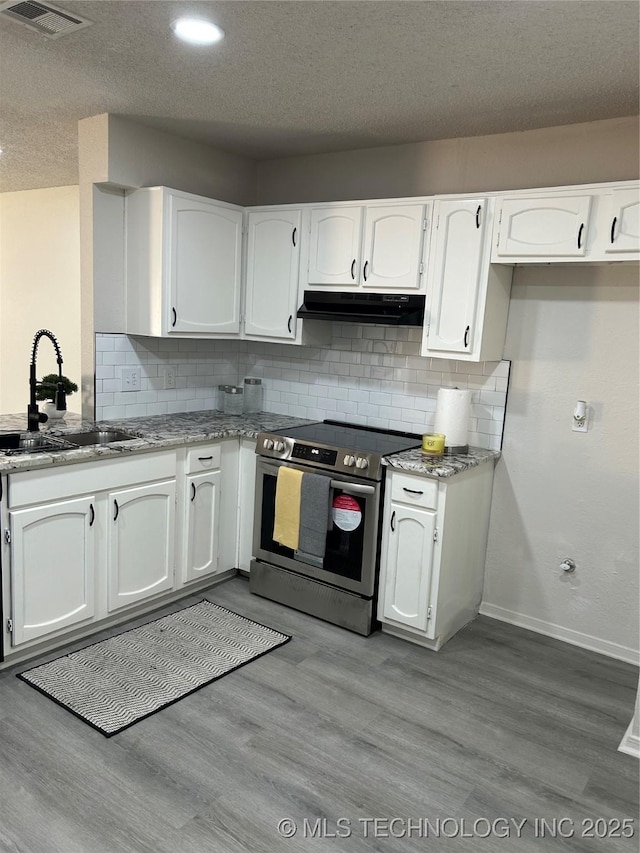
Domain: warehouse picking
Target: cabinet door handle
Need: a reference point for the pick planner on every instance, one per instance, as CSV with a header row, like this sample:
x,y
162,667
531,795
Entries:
x,y
412,491
92,515
193,492
466,337
353,269
289,322
613,228
174,317
580,230
478,215
365,270
293,236
393,518
116,510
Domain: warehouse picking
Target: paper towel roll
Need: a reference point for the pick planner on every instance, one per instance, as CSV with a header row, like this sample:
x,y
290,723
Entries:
x,y
453,406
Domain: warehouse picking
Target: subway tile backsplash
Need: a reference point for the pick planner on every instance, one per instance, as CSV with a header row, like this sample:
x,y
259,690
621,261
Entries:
x,y
371,374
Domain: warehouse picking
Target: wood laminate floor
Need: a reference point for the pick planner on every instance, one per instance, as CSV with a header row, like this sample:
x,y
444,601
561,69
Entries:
x,y
500,730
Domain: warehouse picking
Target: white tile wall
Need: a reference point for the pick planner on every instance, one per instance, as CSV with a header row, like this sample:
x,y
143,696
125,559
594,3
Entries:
x,y
371,374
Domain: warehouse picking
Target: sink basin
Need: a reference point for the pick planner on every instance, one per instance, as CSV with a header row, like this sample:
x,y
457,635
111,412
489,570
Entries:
x,y
12,443
99,436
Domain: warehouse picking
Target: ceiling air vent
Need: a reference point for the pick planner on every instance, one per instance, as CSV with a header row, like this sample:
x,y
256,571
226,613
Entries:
x,y
48,20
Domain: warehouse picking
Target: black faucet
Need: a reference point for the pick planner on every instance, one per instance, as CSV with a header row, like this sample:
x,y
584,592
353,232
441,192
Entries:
x,y
34,416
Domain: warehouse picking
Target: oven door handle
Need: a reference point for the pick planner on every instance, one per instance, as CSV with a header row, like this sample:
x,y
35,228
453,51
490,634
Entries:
x,y
354,488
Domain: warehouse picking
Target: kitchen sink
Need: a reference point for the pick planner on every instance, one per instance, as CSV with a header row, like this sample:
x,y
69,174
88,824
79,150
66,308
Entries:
x,y
98,436
16,443
13,443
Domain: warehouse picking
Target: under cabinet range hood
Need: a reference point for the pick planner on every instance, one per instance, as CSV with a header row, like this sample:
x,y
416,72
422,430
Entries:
x,y
392,309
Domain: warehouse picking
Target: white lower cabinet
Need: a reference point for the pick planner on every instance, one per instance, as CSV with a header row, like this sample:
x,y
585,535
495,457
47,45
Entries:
x,y
432,555
140,553
86,540
201,524
409,556
52,567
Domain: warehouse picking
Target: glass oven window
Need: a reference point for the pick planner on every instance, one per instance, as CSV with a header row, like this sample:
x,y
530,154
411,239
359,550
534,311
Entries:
x,y
345,538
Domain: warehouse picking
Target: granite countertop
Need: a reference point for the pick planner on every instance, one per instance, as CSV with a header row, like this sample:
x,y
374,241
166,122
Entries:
x,y
156,432
416,462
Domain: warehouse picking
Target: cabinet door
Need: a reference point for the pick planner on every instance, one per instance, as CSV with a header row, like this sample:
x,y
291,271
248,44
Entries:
x,y
202,522
408,557
273,257
204,255
334,250
393,246
140,555
624,232
456,274
52,567
544,228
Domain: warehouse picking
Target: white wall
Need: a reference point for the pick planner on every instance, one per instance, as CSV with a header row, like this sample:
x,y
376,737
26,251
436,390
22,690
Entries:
x,y
39,288
553,156
572,334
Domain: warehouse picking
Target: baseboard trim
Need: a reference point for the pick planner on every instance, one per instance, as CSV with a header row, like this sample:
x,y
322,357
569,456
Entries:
x,y
567,635
630,743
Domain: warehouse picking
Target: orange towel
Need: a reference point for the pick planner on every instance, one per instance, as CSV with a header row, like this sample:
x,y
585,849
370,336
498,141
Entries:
x,y
286,528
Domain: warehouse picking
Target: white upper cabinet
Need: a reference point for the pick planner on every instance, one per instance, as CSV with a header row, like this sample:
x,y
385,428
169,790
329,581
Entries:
x,y
393,246
370,246
273,259
467,299
543,228
597,224
184,257
624,221
334,246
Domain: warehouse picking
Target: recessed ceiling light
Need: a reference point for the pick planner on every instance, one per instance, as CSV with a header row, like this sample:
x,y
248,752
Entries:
x,y
197,31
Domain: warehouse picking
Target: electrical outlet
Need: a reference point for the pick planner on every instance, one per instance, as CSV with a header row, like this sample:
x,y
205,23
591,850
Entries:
x,y
169,376
130,379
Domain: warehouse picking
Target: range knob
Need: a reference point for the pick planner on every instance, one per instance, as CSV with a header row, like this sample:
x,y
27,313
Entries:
x,y
279,446
349,461
362,462
268,444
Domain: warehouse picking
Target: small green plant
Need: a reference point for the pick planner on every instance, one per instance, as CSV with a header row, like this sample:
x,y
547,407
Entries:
x,y
48,386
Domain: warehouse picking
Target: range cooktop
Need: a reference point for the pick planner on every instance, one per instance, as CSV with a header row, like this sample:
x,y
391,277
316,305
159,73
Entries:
x,y
337,446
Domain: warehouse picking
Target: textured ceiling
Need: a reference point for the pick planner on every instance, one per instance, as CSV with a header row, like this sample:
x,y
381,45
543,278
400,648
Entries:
x,y
309,77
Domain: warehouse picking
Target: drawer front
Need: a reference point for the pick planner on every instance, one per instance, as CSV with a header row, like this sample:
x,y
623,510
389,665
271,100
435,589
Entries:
x,y
416,491
206,457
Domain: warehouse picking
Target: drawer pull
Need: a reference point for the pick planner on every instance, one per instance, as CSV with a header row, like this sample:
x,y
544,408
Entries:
x,y
193,492
412,491
205,458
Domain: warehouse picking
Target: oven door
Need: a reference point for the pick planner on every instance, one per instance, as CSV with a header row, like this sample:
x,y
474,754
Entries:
x,y
352,533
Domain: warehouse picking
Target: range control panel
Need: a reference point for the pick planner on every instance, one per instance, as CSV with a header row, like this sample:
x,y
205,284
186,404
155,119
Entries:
x,y
347,460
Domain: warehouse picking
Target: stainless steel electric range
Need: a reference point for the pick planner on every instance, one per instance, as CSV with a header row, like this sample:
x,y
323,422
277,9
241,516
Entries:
x,y
341,586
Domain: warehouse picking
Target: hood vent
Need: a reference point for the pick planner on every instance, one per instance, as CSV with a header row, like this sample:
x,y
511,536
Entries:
x,y
386,309
48,20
